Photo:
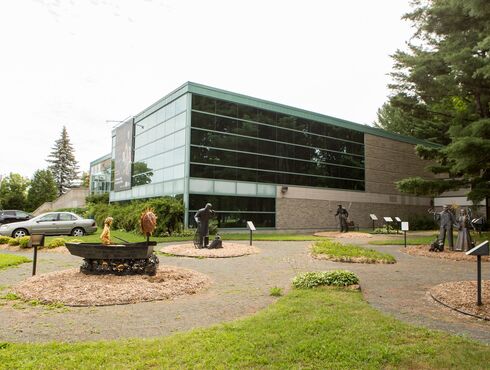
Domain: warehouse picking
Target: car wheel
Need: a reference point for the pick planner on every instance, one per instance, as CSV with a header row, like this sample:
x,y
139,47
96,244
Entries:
x,y
19,233
78,231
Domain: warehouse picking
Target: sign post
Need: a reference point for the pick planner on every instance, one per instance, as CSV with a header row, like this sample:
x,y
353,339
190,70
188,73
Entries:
x,y
35,241
398,223
251,227
373,218
480,250
405,228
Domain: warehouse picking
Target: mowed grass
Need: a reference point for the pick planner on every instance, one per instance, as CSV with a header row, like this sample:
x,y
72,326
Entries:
x,y
323,328
133,237
421,240
349,253
9,260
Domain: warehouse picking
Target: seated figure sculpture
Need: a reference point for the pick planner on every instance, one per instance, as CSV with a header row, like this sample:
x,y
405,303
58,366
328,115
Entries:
x,y
105,237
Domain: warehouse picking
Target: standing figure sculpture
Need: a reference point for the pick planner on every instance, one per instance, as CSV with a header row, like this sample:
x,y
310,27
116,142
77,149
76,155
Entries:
x,y
343,215
202,220
447,220
463,223
105,237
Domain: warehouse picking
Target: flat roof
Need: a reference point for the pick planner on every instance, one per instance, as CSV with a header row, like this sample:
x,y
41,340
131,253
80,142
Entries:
x,y
195,88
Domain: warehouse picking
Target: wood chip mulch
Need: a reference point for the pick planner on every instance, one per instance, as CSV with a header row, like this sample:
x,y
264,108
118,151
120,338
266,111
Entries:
x,y
16,248
461,295
74,288
228,250
423,250
338,234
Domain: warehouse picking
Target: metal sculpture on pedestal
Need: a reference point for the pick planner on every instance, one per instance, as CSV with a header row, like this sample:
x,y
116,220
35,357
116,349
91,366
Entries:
x,y
343,215
202,218
119,259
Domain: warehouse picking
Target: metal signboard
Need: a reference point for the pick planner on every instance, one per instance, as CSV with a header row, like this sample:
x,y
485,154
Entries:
x,y
388,219
405,226
250,226
398,219
373,217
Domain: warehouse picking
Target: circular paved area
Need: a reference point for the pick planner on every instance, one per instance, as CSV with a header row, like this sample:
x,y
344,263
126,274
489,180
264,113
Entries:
x,y
240,286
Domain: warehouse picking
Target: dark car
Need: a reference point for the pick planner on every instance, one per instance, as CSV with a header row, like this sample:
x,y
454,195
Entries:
x,y
8,216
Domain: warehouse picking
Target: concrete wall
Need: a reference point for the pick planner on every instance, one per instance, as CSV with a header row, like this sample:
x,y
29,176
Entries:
x,y
73,198
386,161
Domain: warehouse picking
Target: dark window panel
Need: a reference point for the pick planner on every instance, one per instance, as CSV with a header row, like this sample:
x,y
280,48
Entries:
x,y
225,108
266,116
203,120
203,103
246,112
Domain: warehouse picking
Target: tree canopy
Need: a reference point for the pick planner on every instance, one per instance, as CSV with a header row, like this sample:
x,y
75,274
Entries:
x,y
441,93
63,166
42,189
13,192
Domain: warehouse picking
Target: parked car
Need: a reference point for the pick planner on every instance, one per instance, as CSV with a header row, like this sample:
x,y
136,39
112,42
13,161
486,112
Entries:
x,y
52,223
13,215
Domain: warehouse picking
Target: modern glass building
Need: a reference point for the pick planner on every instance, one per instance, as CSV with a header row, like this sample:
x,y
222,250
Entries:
x,y
276,165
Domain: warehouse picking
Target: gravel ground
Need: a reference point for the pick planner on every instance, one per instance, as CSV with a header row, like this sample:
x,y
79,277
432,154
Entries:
x,y
240,287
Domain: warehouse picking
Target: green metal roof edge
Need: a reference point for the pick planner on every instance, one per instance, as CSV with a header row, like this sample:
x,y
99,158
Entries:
x,y
101,159
192,87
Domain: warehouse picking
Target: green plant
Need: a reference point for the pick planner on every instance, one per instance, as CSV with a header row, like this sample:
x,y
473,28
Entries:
x,y
421,222
56,242
4,239
98,198
335,277
349,253
24,241
275,291
14,241
75,241
10,296
185,233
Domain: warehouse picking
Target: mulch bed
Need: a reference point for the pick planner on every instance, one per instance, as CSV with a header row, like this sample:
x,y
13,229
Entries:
x,y
338,234
16,248
423,250
461,296
228,250
74,288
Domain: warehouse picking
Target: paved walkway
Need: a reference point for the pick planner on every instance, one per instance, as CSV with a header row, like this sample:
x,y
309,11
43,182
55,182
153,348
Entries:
x,y
241,287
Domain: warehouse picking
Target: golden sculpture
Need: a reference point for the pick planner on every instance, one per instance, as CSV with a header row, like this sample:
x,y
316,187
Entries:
x,y
105,237
148,222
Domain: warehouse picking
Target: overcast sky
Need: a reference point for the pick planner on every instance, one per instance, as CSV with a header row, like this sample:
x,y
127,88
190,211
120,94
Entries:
x,y
79,63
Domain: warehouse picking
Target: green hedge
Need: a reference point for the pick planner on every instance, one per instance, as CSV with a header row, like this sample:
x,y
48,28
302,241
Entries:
x,y
336,278
170,213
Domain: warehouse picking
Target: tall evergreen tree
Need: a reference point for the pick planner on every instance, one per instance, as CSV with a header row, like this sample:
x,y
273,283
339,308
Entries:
x,y
42,189
63,166
13,192
441,92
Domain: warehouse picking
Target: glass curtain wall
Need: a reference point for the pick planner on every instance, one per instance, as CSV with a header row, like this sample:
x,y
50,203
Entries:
x,y
100,177
237,142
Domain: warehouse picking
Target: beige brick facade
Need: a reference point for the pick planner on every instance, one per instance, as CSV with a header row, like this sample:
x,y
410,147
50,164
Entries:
x,y
386,161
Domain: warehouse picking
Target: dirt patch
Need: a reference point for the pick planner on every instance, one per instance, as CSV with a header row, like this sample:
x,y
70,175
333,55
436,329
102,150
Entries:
x,y
73,288
228,250
461,296
423,250
16,248
338,234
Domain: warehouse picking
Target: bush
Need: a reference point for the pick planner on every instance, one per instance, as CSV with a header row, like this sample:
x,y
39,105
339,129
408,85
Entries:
x,y
275,291
185,233
13,241
335,278
24,241
98,198
56,242
422,222
170,213
4,239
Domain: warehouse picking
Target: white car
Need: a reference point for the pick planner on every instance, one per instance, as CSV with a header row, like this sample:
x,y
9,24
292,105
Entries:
x,y
52,223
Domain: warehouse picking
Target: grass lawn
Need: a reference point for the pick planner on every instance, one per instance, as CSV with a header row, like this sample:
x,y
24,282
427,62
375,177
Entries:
x,y
314,328
132,237
426,239
9,260
350,253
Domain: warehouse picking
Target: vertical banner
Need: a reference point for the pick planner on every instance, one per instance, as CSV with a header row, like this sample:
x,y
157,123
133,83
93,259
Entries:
x,y
124,156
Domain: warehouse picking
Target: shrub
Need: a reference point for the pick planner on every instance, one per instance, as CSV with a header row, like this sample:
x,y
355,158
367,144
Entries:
x,y
335,278
56,242
14,241
275,291
24,241
98,198
185,233
421,222
4,239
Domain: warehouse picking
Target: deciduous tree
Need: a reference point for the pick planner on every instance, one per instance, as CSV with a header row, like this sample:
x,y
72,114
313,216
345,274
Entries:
x,y
42,189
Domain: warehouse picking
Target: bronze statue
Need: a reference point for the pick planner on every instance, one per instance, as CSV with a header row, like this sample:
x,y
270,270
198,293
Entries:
x,y
105,237
463,223
446,219
343,215
202,217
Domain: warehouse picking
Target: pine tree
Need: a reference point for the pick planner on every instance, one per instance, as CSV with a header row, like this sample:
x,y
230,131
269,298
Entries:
x,y
63,166
42,189
441,92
